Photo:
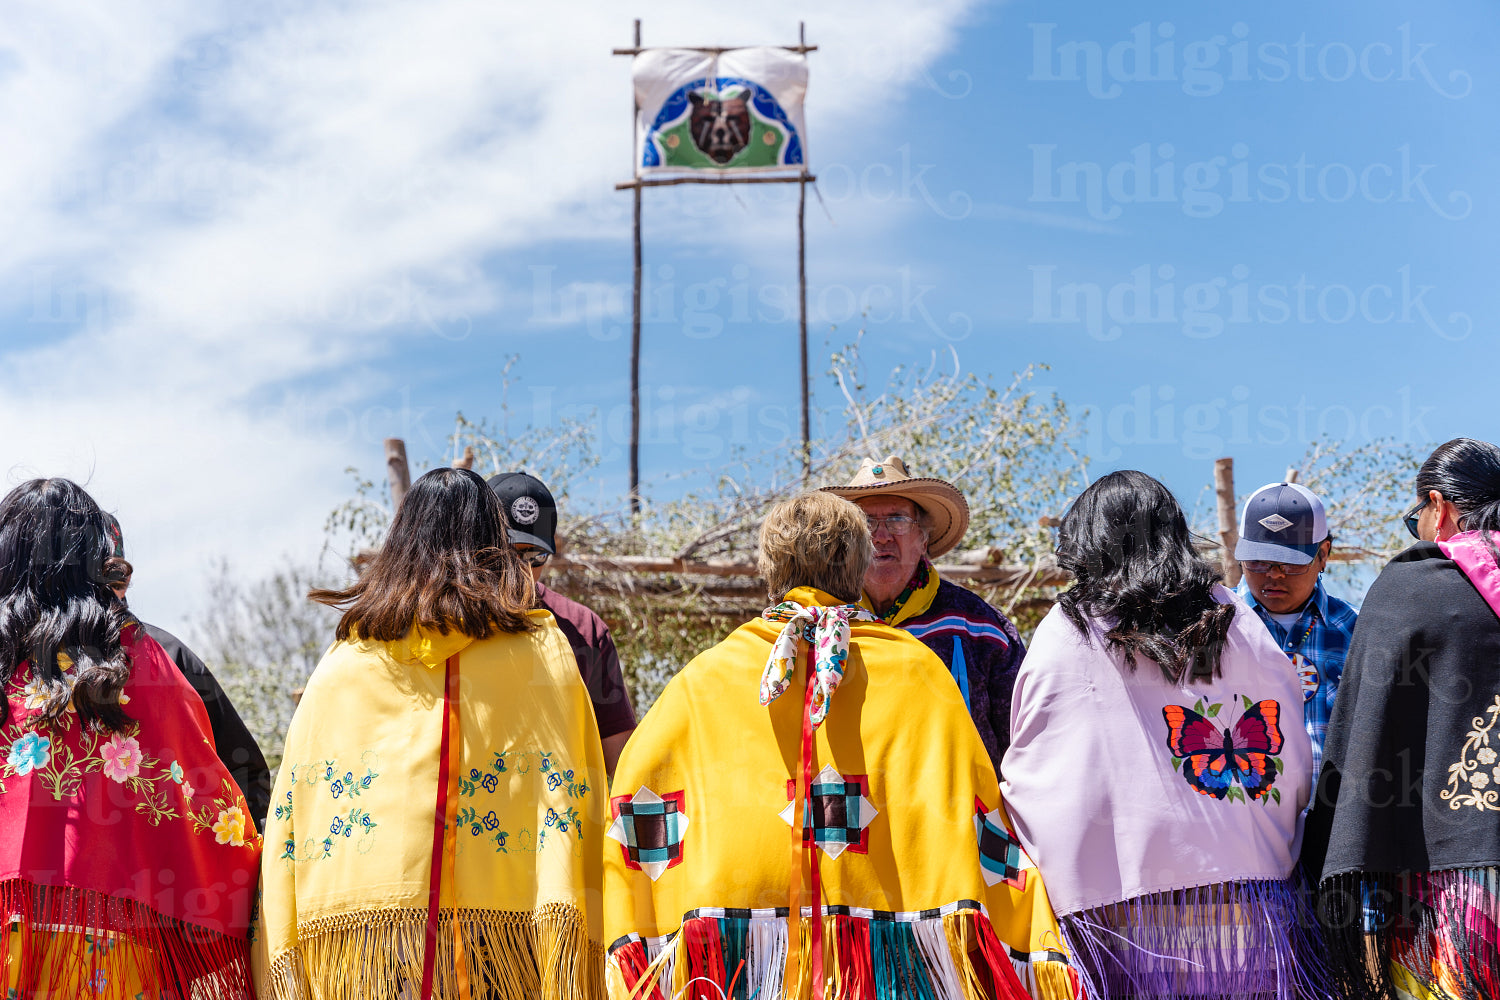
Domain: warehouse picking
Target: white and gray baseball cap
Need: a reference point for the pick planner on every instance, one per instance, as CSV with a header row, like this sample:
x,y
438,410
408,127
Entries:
x,y
1282,522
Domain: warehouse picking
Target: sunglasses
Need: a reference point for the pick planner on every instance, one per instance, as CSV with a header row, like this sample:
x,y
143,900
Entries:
x,y
1285,569
1410,520
534,557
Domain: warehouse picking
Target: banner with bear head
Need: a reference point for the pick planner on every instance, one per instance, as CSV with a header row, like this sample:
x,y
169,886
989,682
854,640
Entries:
x,y
738,111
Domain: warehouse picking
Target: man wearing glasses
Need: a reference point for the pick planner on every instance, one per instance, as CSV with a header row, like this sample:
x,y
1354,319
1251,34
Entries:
x,y
531,518
912,522
1283,548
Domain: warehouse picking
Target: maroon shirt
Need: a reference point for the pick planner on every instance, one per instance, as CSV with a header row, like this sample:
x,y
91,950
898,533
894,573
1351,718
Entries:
x,y
598,663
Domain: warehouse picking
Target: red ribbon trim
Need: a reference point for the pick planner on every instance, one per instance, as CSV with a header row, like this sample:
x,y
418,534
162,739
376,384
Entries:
x,y
439,828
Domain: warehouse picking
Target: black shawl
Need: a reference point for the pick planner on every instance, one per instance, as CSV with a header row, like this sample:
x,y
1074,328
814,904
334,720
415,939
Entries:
x,y
1422,675
1410,751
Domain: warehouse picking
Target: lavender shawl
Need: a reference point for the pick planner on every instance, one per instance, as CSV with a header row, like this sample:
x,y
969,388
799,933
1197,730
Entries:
x,y
1090,780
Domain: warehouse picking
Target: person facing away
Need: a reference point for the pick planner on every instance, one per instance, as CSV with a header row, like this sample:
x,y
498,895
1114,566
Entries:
x,y
1405,830
1283,549
127,861
794,737
912,522
1157,770
531,516
232,740
437,817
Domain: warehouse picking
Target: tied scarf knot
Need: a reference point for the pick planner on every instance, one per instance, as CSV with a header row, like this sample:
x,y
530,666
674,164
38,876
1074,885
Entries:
x,y
827,629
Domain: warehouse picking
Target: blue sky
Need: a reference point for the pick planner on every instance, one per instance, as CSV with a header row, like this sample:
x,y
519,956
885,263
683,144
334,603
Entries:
x,y
251,247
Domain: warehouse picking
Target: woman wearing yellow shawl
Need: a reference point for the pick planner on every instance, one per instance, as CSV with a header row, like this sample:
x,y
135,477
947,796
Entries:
x,y
436,824
815,779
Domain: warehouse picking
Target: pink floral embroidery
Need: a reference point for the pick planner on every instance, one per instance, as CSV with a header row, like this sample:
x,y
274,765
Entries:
x,y
122,757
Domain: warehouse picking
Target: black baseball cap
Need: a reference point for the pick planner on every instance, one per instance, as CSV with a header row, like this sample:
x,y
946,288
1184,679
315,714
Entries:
x,y
530,511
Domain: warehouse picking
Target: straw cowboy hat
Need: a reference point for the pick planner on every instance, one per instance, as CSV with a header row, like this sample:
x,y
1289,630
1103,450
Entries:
x,y
939,499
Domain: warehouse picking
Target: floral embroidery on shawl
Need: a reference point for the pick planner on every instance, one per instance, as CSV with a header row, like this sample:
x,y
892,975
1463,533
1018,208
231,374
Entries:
x,y
59,755
1474,780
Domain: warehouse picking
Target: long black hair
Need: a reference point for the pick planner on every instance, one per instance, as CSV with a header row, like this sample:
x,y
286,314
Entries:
x,y
1128,547
55,597
1467,473
446,563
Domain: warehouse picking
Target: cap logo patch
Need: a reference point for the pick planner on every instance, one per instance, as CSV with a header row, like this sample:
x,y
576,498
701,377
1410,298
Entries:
x,y
1275,523
524,510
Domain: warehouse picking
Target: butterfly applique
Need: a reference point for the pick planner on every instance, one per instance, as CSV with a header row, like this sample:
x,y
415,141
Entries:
x,y
1214,758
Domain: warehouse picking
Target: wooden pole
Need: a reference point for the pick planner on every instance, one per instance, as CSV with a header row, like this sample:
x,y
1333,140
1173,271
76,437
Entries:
x,y
397,471
1229,534
635,321
650,182
802,295
802,325
1291,474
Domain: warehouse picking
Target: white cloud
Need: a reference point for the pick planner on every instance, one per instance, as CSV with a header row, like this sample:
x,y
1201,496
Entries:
x,y
220,211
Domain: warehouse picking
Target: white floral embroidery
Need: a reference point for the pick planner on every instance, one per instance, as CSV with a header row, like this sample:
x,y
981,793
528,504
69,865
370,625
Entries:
x,y
1472,768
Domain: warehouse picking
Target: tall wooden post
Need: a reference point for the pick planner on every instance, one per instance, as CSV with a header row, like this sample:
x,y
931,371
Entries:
x,y
802,297
397,471
1229,532
802,329
635,322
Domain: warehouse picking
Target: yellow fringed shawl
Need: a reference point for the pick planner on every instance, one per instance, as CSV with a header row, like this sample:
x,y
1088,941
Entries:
x,y
344,884
720,763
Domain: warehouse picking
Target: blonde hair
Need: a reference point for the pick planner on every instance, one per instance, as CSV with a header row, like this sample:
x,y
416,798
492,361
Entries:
x,y
815,540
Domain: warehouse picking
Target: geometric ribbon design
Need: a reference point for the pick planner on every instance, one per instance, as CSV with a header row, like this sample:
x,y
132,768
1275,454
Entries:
x,y
1001,857
838,812
650,829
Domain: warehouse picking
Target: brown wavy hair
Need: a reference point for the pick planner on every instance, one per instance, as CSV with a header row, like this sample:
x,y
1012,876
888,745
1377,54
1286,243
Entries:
x,y
446,564
815,540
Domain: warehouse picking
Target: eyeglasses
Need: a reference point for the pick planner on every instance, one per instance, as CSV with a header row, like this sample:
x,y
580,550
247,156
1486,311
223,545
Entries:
x,y
1410,520
896,524
534,557
1285,569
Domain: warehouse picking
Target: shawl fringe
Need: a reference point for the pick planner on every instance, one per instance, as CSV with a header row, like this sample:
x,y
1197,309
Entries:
x,y
62,941
378,953
1428,933
955,956
1234,939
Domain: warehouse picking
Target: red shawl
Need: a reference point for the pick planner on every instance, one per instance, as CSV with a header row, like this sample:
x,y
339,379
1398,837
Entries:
x,y
137,838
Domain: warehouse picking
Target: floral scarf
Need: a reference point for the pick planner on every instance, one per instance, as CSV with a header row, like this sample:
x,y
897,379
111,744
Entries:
x,y
138,836
827,628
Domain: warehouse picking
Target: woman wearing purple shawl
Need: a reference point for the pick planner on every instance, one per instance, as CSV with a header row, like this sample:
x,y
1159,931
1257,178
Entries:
x,y
1151,773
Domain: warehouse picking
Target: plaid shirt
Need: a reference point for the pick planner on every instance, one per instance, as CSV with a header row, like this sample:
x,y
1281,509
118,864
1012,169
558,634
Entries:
x,y
1327,623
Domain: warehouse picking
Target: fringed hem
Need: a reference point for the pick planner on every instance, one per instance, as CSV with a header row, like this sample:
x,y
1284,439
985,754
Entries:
x,y
954,956
354,956
1047,976
1237,939
57,941
1427,933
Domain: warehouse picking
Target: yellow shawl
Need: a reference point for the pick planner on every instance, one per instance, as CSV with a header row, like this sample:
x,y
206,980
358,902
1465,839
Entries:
x,y
698,866
344,884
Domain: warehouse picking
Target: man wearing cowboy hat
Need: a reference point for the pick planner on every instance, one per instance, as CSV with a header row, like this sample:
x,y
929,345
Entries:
x,y
912,522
